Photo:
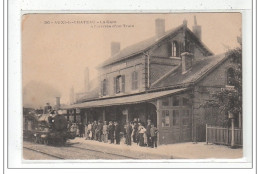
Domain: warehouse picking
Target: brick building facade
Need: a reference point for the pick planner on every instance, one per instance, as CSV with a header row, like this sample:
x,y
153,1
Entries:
x,y
164,78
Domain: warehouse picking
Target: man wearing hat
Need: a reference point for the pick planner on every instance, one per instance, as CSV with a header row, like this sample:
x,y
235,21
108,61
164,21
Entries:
x,y
128,133
111,131
117,133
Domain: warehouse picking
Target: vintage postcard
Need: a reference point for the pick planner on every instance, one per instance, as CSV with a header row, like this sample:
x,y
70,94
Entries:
x,y
135,86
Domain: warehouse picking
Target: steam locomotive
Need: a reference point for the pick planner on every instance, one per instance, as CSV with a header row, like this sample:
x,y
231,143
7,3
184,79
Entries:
x,y
50,128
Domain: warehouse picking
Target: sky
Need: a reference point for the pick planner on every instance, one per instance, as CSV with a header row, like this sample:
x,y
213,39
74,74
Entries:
x,y
56,48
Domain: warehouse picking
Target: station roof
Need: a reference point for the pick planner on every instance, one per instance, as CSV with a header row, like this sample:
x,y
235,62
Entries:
x,y
200,68
124,100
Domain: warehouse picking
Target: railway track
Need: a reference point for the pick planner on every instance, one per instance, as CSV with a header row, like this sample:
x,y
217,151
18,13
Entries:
x,y
74,152
97,151
44,153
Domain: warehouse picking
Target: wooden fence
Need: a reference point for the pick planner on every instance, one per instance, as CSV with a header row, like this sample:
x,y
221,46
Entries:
x,y
220,135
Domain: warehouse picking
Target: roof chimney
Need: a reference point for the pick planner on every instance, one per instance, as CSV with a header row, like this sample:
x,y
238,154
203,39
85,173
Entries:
x,y
115,48
196,29
159,27
186,61
86,79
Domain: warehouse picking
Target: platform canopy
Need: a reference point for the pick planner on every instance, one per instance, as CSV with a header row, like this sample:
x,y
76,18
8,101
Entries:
x,y
123,100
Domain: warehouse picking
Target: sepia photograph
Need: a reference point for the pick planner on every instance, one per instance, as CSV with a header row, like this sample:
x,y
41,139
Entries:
x,y
132,86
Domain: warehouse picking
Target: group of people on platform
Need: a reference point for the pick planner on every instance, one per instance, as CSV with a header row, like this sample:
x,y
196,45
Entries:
x,y
113,132
77,128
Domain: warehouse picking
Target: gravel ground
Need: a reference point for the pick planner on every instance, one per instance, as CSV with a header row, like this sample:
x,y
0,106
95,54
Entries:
x,y
31,155
176,151
66,152
79,148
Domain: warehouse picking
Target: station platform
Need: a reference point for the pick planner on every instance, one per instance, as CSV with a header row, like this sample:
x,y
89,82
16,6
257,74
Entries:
x,y
186,150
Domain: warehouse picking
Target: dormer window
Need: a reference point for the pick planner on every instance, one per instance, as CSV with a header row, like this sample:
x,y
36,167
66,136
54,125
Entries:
x,y
173,49
119,84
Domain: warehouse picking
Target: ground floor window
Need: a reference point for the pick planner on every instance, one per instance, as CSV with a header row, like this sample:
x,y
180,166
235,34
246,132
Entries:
x,y
175,115
165,118
186,117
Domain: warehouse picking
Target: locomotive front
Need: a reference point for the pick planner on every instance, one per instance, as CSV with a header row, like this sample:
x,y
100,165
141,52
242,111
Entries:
x,y
52,129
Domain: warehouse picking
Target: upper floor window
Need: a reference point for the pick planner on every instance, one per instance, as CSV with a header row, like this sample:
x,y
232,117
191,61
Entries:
x,y
165,101
104,87
230,76
119,84
134,80
176,101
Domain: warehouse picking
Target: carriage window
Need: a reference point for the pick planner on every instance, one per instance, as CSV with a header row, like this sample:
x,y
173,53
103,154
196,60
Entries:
x,y
165,118
175,100
175,116
165,101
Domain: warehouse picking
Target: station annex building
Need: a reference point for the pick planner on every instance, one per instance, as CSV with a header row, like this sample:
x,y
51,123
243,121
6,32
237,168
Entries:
x,y
164,78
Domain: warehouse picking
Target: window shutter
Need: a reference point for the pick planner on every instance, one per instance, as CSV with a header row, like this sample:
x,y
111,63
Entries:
x,y
114,85
104,87
101,88
137,80
133,80
123,83
107,87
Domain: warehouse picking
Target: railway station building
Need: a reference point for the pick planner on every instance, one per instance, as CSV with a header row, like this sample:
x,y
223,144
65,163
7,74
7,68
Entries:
x,y
165,78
